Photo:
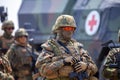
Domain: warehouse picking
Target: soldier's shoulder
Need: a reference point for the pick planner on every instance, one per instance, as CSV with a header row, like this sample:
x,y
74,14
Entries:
x,y
77,43
48,44
13,46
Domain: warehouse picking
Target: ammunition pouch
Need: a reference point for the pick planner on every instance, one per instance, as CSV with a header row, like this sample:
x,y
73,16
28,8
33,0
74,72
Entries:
x,y
63,72
23,71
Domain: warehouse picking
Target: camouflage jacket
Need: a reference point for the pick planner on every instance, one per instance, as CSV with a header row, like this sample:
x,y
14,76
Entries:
x,y
50,61
5,69
6,76
108,72
21,59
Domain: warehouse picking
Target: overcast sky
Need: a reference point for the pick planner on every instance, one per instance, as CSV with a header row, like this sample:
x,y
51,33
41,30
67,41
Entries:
x,y
13,7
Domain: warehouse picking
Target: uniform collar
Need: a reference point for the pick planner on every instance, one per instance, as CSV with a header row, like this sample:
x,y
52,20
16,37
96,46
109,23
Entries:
x,y
23,45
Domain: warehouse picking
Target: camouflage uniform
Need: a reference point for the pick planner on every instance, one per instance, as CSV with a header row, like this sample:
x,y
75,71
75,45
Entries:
x,y
6,39
51,62
111,73
20,57
5,69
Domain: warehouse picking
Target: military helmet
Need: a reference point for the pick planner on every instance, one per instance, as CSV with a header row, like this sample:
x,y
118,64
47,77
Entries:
x,y
63,21
7,24
21,32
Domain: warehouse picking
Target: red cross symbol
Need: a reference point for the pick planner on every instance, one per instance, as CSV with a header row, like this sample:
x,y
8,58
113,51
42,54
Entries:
x,y
92,22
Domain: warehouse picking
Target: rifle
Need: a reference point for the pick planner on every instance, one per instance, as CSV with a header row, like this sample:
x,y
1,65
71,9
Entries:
x,y
34,57
117,56
80,75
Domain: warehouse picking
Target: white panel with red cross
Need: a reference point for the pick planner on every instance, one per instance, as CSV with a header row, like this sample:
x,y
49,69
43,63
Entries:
x,y
92,23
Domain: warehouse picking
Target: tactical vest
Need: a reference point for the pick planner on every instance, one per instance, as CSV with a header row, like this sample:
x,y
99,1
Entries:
x,y
60,52
21,60
58,49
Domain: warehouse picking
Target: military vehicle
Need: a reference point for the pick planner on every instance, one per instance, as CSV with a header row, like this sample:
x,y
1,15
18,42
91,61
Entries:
x,y
38,17
97,22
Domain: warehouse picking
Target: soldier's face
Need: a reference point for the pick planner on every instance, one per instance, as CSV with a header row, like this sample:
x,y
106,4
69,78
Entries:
x,y
22,39
9,30
67,32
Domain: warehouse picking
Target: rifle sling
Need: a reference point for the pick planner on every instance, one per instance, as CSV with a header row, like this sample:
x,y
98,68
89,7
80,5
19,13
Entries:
x,y
66,49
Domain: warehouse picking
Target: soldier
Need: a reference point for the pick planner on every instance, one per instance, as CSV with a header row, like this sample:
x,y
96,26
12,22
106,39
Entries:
x,y
6,39
111,73
63,55
21,56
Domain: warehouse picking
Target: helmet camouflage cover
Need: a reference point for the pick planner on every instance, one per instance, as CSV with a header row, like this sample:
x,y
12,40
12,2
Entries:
x,y
21,32
7,24
62,21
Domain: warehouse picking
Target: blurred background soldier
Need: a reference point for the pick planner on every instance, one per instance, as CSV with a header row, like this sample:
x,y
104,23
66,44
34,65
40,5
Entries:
x,y
21,56
113,56
6,39
63,55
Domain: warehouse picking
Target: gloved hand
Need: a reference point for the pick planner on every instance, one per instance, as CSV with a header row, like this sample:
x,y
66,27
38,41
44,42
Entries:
x,y
74,61
80,66
70,60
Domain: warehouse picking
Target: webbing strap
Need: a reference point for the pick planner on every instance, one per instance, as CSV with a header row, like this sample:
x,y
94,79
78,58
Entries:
x,y
66,49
